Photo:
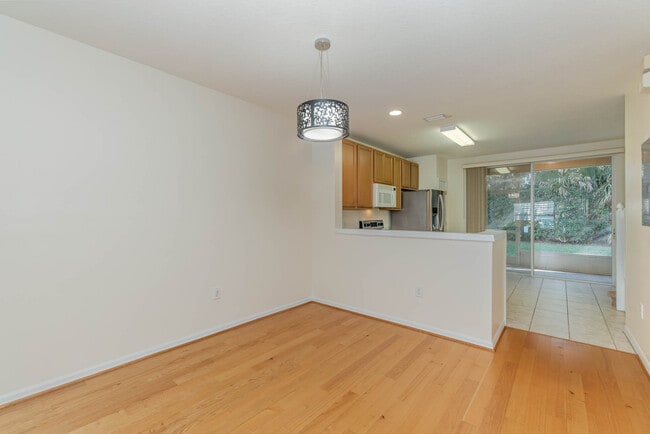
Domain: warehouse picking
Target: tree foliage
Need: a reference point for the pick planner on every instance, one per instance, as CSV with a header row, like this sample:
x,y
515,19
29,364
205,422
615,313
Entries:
x,y
581,199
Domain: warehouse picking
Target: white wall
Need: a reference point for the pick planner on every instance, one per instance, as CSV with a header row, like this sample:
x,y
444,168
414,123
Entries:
x,y
432,172
637,240
498,281
126,195
378,275
456,174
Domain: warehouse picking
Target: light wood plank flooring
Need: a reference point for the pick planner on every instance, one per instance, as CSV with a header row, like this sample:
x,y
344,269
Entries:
x,y
316,369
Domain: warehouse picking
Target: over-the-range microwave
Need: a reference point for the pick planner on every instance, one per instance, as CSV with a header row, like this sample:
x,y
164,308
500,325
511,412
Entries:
x,y
384,196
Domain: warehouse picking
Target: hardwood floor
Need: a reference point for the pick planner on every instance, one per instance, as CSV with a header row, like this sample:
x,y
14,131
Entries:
x,y
315,369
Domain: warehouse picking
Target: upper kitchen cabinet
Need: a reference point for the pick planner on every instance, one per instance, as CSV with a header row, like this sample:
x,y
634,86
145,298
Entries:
x,y
364,177
397,178
415,176
357,175
406,174
383,167
410,175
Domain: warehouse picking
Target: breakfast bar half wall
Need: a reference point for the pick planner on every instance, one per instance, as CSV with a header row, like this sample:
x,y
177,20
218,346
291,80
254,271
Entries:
x,y
449,284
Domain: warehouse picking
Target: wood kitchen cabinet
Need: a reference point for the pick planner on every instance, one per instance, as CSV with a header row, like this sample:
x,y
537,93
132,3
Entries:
x,y
410,175
415,176
383,167
364,177
397,177
357,167
406,174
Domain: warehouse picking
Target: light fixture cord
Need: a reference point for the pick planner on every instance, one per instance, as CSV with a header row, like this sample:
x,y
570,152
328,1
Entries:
x,y
320,55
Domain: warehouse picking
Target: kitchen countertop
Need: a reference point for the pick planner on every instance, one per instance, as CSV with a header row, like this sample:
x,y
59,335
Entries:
x,y
486,236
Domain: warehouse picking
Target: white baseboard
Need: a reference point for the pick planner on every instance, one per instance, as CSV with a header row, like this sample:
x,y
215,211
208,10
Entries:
x,y
446,333
68,378
637,348
497,335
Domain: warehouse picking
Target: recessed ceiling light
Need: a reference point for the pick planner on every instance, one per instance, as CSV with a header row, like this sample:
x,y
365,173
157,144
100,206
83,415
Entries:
x,y
395,112
438,117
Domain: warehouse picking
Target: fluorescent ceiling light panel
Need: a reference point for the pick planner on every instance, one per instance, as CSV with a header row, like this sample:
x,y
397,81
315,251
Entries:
x,y
457,135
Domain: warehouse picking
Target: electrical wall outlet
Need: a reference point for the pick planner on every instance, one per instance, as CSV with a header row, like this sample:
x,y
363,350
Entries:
x,y
642,311
216,293
419,292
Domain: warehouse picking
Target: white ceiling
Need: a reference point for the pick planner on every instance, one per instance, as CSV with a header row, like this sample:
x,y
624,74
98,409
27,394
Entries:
x,y
514,74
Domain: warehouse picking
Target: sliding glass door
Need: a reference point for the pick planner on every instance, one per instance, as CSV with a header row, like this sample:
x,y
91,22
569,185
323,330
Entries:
x,y
508,208
557,214
573,216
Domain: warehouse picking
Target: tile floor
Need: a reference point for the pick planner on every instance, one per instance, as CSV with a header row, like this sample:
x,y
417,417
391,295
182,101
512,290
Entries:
x,y
578,311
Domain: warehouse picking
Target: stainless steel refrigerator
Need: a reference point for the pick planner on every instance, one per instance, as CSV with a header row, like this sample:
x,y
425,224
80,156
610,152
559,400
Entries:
x,y
422,210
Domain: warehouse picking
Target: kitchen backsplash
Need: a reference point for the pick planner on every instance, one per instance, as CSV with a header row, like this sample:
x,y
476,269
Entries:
x,y
351,217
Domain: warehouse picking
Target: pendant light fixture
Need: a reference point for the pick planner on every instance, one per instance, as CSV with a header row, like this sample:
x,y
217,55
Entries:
x,y
322,119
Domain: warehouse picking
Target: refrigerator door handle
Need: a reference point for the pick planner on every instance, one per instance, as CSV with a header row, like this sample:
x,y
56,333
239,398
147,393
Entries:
x,y
429,217
442,211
